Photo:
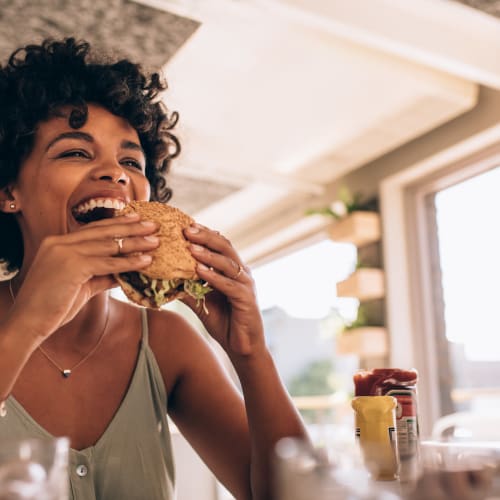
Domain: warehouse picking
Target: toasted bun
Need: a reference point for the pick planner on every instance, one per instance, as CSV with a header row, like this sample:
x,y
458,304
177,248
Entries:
x,y
172,259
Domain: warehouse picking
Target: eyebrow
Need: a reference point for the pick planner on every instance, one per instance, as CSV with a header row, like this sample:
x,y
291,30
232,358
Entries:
x,y
70,135
126,144
132,145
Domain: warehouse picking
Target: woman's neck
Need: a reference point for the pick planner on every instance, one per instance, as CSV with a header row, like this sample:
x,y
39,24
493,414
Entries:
x,y
85,329
81,332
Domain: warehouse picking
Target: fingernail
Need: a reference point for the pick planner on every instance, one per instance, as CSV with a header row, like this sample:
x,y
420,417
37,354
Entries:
x,y
152,239
148,223
132,215
193,229
202,267
145,258
197,248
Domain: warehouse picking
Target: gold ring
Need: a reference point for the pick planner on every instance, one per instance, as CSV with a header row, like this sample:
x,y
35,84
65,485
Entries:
x,y
119,242
237,275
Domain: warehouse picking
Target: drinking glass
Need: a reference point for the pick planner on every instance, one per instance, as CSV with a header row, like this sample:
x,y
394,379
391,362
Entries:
x,y
337,471
34,469
462,471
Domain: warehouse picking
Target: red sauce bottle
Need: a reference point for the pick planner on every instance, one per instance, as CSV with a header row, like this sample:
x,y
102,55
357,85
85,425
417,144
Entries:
x,y
402,385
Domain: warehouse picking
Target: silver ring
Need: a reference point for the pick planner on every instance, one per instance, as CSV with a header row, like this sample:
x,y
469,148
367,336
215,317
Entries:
x,y
237,275
119,242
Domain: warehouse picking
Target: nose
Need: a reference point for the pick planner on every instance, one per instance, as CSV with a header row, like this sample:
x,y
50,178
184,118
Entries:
x,y
111,172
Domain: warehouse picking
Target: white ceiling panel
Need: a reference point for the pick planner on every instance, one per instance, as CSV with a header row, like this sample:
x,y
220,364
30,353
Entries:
x,y
268,100
282,97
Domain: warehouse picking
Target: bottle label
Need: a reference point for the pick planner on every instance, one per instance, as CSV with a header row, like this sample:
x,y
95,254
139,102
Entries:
x,y
406,421
376,433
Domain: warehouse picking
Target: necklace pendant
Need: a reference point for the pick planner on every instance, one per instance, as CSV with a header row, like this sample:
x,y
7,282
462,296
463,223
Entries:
x,y
66,373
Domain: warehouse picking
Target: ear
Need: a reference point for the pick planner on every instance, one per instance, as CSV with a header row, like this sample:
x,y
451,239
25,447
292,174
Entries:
x,y
8,203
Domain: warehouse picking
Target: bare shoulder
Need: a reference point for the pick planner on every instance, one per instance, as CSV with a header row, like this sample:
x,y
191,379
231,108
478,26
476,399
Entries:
x,y
178,347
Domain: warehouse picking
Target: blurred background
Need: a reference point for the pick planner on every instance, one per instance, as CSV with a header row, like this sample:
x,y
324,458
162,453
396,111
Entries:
x,y
351,152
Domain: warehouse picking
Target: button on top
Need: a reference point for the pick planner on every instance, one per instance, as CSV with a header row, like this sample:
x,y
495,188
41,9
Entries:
x,y
82,470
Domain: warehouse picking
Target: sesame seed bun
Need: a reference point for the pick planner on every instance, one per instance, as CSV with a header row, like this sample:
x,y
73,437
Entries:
x,y
172,259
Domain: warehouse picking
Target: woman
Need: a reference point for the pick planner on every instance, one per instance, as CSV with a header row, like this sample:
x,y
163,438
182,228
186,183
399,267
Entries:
x,y
77,363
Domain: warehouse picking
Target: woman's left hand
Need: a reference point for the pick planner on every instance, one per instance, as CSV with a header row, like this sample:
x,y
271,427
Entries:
x,y
232,315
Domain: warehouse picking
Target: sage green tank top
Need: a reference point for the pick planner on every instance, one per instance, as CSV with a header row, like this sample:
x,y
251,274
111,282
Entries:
x,y
132,460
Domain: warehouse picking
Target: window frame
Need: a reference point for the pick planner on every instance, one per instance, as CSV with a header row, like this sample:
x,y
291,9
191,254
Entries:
x,y
414,300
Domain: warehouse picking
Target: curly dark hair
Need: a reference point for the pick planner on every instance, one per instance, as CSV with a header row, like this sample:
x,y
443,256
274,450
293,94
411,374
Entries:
x,y
38,80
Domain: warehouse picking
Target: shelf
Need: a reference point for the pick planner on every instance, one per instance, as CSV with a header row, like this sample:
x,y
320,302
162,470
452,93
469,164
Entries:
x,y
365,342
364,284
359,228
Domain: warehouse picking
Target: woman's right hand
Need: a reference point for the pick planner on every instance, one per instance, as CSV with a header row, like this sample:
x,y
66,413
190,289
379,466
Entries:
x,y
70,269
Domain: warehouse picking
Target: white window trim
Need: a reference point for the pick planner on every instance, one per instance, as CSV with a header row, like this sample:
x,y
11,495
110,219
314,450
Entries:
x,y
410,314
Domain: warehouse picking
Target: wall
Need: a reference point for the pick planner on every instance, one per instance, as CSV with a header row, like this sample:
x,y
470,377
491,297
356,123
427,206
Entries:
x,y
367,178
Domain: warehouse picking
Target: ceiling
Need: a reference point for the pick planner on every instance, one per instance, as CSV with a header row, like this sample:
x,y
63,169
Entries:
x,y
124,27
280,98
491,7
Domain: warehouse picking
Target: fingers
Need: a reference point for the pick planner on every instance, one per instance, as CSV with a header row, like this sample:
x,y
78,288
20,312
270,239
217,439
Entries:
x,y
79,254
128,218
215,250
101,284
111,237
95,257
119,246
122,265
134,244
120,227
201,235
220,281
227,266
104,266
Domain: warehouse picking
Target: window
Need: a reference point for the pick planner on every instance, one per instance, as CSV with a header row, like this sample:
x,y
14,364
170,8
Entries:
x,y
443,277
468,238
302,316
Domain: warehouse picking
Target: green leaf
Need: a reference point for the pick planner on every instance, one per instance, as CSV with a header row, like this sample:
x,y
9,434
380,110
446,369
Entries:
x,y
322,211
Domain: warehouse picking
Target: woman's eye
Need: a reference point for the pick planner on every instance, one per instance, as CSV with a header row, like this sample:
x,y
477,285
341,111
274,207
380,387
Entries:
x,y
130,162
74,153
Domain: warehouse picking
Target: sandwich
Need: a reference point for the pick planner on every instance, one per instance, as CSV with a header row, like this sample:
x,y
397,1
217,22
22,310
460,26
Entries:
x,y
172,272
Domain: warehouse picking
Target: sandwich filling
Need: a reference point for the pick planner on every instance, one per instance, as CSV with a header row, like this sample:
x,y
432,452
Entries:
x,y
160,291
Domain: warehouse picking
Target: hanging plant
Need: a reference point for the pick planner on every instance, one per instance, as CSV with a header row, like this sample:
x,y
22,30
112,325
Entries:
x,y
360,321
346,203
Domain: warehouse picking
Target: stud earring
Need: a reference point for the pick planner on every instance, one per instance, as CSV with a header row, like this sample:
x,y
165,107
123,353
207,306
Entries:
x,y
12,206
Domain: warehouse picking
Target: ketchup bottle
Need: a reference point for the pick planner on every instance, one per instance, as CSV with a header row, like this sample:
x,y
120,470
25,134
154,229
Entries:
x,y
402,385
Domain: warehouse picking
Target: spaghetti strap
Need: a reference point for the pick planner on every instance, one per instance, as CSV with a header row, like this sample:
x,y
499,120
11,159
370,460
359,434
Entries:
x,y
144,324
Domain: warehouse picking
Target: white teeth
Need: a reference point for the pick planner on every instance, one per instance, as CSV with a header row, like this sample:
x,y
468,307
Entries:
x,y
99,202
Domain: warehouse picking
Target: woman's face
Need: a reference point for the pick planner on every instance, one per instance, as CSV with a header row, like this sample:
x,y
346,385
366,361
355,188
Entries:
x,y
70,172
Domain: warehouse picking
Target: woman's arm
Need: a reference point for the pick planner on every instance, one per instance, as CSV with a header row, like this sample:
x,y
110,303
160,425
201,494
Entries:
x,y
271,416
15,351
233,319
66,272
234,436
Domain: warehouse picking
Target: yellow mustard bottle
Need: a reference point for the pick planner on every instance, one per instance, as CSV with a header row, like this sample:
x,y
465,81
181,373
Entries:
x,y
375,421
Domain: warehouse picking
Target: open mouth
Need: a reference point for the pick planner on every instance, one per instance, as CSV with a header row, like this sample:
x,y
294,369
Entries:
x,y
95,209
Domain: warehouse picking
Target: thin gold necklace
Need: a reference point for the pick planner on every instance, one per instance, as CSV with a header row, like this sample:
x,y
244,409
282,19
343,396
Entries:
x,y
66,372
